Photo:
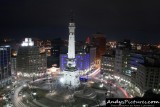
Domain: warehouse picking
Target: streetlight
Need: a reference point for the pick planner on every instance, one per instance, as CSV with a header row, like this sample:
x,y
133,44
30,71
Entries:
x,y
85,105
50,85
33,76
34,94
24,96
109,91
62,80
101,85
25,85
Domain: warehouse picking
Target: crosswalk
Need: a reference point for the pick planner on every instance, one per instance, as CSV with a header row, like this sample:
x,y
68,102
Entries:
x,y
20,104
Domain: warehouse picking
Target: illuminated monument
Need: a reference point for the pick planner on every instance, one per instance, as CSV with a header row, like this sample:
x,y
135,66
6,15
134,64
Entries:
x,y
70,77
67,89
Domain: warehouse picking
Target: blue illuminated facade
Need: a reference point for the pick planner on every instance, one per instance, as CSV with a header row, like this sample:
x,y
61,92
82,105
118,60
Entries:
x,y
5,65
83,78
82,61
134,61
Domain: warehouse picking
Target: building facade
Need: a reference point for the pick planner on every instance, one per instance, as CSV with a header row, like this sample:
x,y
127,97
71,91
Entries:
x,y
107,64
14,65
146,75
122,55
99,41
30,62
121,60
92,51
5,65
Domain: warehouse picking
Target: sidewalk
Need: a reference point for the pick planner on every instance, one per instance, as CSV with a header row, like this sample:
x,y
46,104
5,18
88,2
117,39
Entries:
x,y
128,89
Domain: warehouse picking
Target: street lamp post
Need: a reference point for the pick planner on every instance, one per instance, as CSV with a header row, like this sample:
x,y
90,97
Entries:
x,y
34,95
33,76
109,90
24,97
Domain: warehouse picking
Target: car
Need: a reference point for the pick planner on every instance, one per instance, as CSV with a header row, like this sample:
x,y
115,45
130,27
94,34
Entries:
x,y
12,92
15,86
20,93
10,104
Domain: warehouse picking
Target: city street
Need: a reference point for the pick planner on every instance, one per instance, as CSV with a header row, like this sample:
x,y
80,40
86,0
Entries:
x,y
114,90
120,91
16,98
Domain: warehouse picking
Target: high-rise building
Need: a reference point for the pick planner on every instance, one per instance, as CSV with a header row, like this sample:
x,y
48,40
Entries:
x,y
88,48
5,65
121,60
122,54
14,62
99,41
110,47
29,60
145,73
92,52
13,65
126,44
107,64
53,59
53,49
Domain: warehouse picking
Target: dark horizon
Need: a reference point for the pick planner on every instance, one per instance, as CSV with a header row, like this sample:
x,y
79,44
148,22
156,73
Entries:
x,y
118,20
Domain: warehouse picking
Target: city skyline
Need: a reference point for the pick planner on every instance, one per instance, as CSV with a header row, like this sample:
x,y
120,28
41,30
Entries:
x,y
134,20
43,71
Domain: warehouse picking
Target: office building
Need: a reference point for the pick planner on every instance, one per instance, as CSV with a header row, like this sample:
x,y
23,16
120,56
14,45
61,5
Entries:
x,y
29,60
145,74
107,64
99,41
5,65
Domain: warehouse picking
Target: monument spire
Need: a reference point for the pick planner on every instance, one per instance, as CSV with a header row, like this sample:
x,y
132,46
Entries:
x,y
71,74
71,42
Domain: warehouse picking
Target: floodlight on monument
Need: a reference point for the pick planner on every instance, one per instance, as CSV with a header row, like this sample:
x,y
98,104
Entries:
x,y
61,80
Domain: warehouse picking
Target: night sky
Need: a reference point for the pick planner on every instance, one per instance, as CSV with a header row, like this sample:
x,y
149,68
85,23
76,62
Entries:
x,y
138,20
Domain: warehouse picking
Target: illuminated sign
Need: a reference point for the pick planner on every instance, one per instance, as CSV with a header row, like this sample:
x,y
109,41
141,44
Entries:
x,y
27,42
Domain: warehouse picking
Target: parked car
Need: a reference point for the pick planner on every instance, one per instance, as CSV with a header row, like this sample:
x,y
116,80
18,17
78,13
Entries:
x,y
20,93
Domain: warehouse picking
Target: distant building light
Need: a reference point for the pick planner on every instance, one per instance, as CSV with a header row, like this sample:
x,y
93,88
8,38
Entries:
x,y
7,46
24,96
1,49
134,68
